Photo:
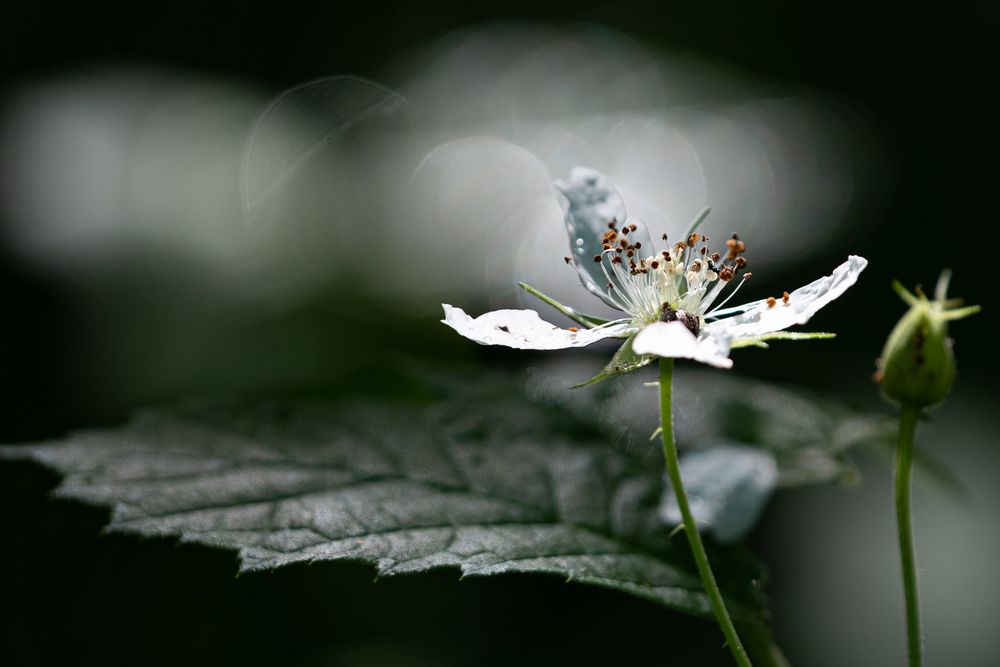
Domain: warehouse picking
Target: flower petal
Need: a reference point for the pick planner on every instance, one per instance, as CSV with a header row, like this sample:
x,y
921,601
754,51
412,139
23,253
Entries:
x,y
525,330
672,339
760,318
589,201
728,486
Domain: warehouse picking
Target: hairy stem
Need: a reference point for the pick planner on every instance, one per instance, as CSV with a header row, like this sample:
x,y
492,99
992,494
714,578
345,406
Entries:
x,y
904,462
694,538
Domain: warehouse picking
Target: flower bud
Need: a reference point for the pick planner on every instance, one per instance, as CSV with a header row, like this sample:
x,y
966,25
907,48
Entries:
x,y
917,366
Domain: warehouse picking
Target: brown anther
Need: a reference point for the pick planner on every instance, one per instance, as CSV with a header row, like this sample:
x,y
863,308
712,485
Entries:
x,y
654,265
694,238
612,223
626,230
784,298
568,260
695,265
630,253
716,257
666,255
726,274
619,250
638,244
633,227
616,260
664,237
606,246
610,286
573,329
736,236
771,301
597,258
747,276
704,250
741,262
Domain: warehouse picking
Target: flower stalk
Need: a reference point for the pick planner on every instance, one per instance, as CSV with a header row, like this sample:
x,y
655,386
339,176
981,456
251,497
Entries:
x,y
690,528
909,417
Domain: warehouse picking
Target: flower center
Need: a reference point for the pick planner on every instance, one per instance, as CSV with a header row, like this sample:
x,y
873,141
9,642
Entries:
x,y
673,284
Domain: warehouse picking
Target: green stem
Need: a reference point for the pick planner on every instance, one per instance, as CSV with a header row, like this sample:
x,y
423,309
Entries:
x,y
904,459
694,538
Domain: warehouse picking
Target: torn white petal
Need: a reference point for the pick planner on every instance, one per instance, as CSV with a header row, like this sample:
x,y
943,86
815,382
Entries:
x,y
727,485
803,303
673,339
525,330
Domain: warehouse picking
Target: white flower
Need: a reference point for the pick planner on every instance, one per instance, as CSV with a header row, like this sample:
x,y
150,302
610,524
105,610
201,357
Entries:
x,y
672,296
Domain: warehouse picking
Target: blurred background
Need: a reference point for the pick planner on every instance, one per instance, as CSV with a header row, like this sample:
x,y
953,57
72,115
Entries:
x,y
150,250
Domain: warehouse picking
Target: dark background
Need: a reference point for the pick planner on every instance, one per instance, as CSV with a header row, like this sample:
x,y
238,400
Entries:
x,y
922,74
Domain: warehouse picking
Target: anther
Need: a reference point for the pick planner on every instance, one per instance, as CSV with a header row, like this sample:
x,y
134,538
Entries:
x,y
630,253
771,301
716,257
597,258
747,276
633,227
654,265
664,237
568,260
784,298
612,223
704,250
694,238
741,262
666,255
726,274
616,260
638,244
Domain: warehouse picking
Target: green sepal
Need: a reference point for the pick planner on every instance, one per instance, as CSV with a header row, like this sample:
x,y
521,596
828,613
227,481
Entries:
x,y
624,361
760,341
588,321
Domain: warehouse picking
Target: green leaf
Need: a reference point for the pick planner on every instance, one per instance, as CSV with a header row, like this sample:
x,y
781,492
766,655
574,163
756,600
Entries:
x,y
479,477
589,321
625,360
810,435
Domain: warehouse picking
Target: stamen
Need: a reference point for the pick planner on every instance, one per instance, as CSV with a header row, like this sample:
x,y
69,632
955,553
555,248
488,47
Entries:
x,y
784,298
568,260
771,301
597,258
